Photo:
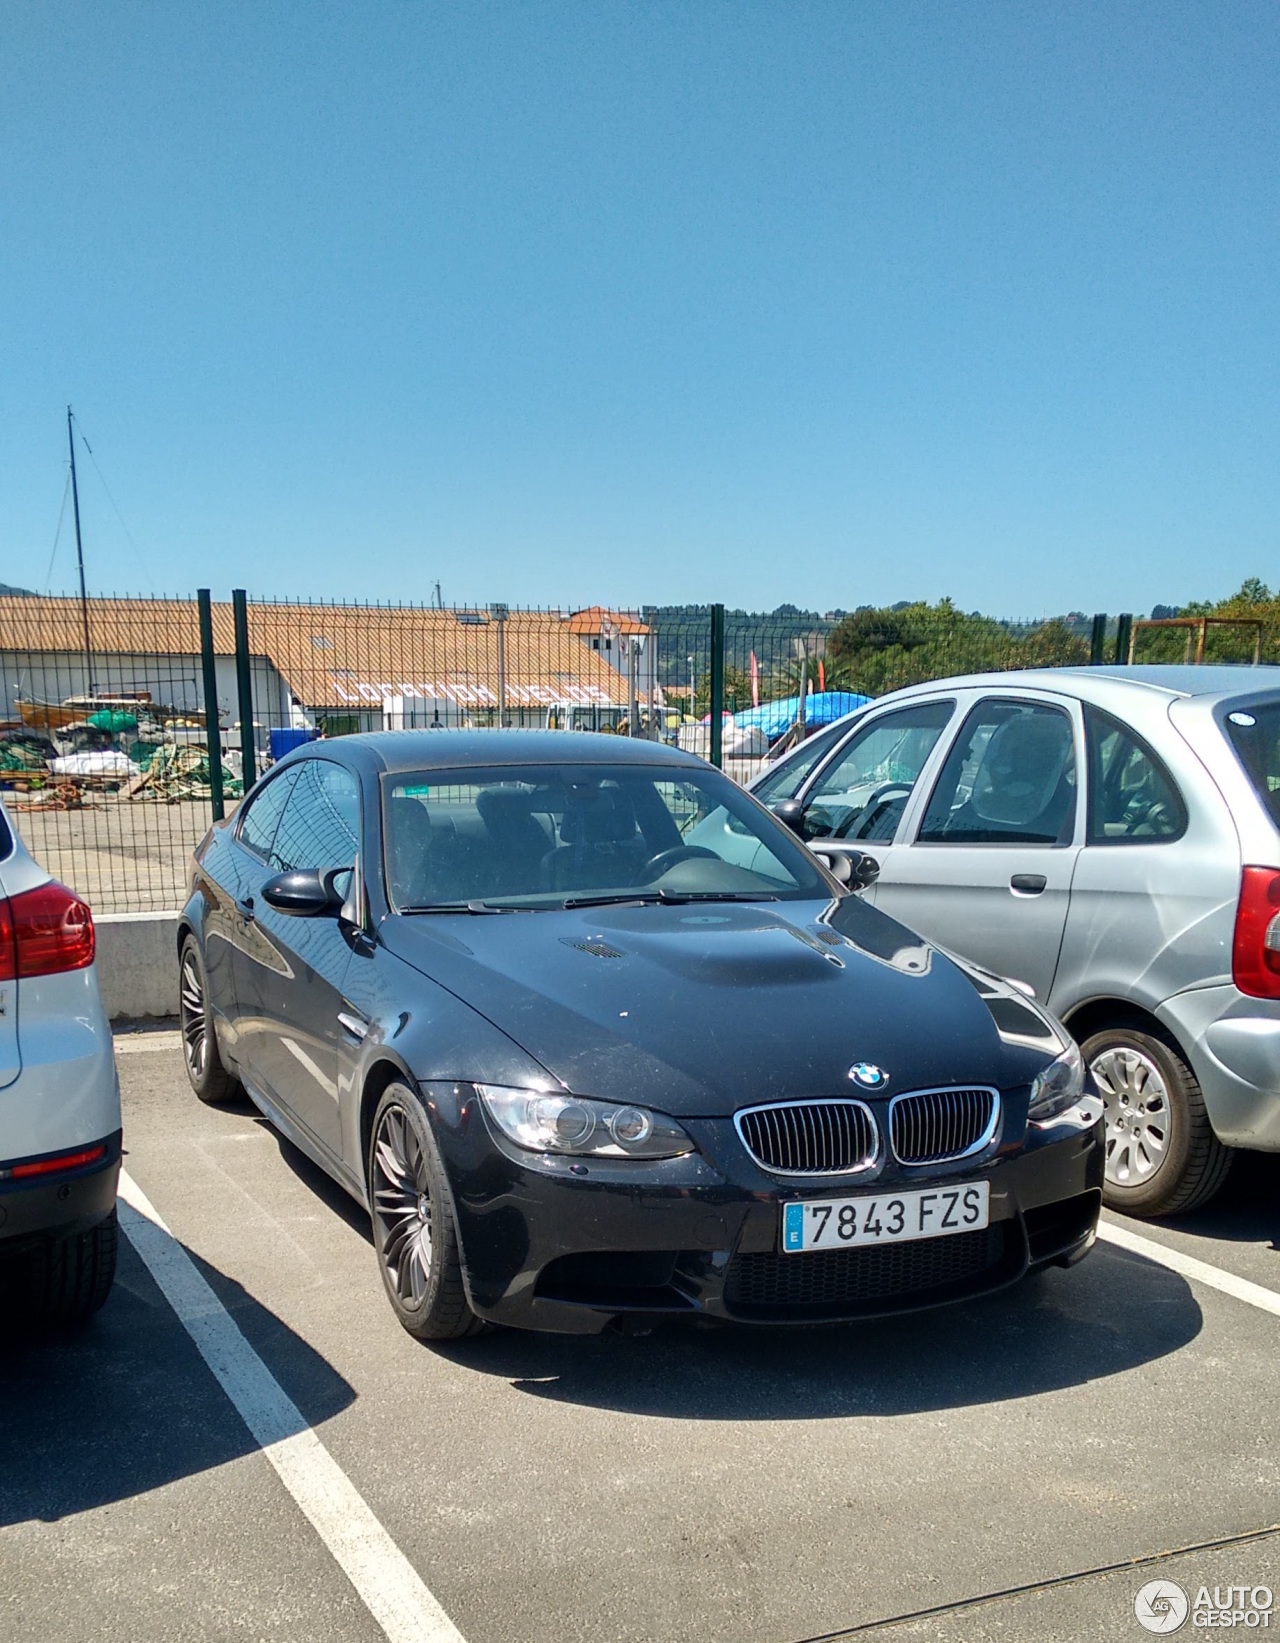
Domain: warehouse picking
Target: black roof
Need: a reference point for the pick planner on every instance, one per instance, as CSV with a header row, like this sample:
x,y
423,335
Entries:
x,y
397,750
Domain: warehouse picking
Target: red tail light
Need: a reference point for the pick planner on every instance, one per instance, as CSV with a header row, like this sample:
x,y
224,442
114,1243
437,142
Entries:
x,y
1255,952
44,931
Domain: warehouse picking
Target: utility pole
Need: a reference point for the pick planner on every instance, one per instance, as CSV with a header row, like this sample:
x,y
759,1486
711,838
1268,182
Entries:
x,y
84,600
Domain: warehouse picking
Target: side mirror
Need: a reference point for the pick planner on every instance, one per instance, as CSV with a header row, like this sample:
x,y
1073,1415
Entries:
x,y
791,813
853,868
864,870
306,892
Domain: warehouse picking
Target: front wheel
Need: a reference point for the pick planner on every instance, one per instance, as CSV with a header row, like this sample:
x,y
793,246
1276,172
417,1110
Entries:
x,y
414,1231
1162,1155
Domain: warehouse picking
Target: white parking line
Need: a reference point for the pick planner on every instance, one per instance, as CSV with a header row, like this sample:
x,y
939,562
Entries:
x,y
383,1577
1267,1300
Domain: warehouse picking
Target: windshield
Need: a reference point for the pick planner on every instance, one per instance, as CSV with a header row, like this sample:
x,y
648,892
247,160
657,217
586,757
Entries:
x,y
544,836
1254,733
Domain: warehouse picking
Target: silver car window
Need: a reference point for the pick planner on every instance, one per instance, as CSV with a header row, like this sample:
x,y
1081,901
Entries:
x,y
1010,778
863,792
1132,797
1253,729
786,780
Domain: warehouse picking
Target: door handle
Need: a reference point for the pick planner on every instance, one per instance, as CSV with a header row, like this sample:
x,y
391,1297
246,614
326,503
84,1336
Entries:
x,y
1027,884
245,909
354,1024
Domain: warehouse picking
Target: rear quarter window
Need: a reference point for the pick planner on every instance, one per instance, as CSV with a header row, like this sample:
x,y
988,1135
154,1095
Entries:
x,y
1254,734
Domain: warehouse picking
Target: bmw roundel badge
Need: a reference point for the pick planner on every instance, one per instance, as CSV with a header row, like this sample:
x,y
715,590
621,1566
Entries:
x,y
870,1077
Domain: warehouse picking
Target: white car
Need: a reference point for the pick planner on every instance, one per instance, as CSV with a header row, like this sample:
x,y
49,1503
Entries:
x,y
59,1100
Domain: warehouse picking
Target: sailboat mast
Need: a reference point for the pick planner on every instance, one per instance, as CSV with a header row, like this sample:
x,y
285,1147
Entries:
x,y
84,600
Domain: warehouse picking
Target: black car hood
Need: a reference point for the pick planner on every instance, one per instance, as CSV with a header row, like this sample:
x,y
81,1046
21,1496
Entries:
x,y
700,1009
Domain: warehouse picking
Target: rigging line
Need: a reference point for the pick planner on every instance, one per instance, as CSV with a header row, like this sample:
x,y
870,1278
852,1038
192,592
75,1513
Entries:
x,y
62,514
136,549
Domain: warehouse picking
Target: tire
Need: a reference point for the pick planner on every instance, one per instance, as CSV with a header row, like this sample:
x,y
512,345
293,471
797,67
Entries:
x,y
208,1077
1162,1155
415,1233
68,1279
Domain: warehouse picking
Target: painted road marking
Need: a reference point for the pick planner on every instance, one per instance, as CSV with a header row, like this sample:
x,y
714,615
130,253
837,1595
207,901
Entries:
x,y
384,1579
1267,1300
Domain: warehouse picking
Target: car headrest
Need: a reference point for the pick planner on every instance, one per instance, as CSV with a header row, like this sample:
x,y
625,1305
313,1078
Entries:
x,y
1021,769
507,815
605,816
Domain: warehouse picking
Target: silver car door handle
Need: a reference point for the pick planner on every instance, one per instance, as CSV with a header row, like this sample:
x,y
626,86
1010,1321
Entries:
x,y
354,1024
245,909
1027,884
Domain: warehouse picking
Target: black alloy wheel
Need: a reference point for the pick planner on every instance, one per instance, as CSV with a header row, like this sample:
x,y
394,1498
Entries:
x,y
414,1230
209,1078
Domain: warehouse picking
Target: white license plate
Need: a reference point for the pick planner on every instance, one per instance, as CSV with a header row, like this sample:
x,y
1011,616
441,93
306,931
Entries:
x,y
889,1218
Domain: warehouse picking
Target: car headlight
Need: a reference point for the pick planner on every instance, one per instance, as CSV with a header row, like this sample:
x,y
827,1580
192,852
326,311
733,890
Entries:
x,y
553,1122
1058,1086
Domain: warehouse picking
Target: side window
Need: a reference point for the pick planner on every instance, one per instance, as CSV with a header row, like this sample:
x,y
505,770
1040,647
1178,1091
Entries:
x,y
1132,798
786,780
865,790
258,825
321,822
1010,778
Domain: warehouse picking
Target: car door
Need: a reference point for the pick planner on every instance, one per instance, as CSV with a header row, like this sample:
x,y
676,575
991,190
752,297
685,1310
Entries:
x,y
301,1051
987,864
857,800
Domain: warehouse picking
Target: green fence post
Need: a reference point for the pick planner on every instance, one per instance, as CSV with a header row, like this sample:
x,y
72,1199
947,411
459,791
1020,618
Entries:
x,y
1098,641
212,731
717,685
1124,627
244,687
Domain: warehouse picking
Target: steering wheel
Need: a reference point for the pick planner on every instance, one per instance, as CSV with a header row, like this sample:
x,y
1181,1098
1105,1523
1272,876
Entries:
x,y
665,860
881,793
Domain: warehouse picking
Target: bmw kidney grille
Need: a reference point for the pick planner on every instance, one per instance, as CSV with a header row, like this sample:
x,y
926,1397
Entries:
x,y
810,1137
931,1126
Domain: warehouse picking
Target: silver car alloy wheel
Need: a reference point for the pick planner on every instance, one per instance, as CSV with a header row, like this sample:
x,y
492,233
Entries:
x,y
1137,1114
195,1040
402,1206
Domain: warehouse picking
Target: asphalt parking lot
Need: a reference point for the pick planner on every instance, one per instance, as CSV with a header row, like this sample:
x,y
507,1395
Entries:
x,y
992,1471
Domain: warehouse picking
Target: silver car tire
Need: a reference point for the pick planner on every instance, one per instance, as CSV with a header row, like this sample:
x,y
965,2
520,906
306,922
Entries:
x,y
1162,1157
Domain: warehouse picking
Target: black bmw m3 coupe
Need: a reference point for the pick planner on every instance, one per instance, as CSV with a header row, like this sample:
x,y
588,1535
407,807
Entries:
x,y
592,1036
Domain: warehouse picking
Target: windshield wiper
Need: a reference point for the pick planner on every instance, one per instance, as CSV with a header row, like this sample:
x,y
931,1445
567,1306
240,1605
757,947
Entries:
x,y
625,898
460,907
680,897
669,898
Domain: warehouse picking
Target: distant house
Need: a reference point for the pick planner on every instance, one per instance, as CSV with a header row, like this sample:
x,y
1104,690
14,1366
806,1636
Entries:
x,y
334,668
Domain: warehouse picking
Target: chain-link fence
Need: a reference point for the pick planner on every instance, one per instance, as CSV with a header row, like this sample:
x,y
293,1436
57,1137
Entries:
x,y
111,770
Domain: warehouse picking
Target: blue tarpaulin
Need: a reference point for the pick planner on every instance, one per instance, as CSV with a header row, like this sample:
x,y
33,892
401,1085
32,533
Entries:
x,y
821,707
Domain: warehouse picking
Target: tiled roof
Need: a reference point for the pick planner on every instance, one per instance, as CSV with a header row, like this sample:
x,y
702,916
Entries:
x,y
335,656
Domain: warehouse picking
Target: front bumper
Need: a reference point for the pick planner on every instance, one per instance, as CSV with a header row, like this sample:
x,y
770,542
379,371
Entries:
x,y
568,1244
61,1203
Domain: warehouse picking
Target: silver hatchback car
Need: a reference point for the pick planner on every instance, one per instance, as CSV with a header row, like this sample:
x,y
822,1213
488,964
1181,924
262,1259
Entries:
x,y
1110,837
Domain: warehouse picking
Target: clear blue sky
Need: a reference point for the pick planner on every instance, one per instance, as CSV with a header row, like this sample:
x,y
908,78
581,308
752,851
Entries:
x,y
829,303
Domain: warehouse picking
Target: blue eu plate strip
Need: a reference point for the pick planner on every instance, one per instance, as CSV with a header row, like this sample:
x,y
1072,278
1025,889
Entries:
x,y
793,1226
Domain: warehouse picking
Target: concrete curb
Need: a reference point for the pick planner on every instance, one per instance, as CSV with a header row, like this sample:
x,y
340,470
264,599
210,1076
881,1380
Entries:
x,y
137,964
